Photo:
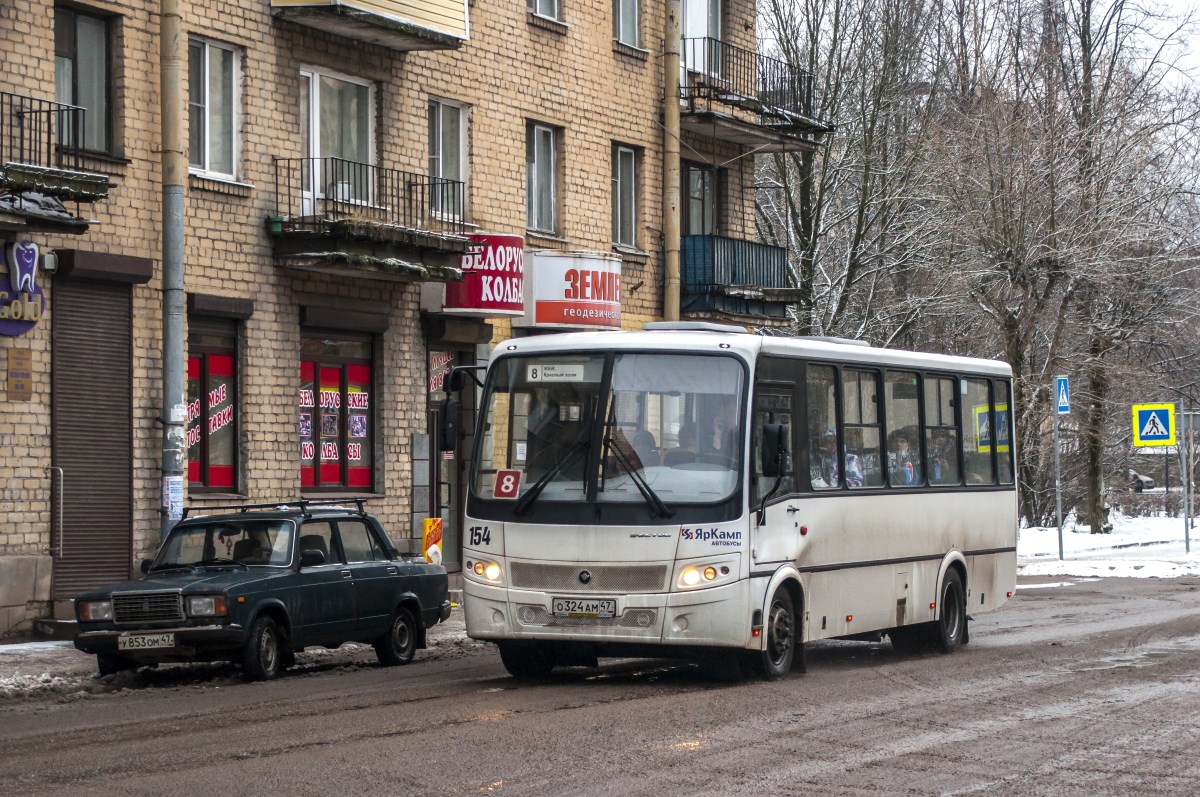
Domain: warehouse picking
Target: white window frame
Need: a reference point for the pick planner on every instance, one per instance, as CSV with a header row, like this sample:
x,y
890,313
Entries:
x,y
536,170
236,144
621,152
622,9
436,151
549,9
314,75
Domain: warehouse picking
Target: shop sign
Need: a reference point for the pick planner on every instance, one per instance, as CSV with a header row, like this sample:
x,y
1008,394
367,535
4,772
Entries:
x,y
574,289
22,302
20,374
493,282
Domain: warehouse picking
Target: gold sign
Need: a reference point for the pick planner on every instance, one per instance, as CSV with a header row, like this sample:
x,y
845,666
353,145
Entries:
x,y
20,374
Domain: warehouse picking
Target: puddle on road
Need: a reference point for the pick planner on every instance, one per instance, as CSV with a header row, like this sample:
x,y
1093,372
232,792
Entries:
x,y
1146,657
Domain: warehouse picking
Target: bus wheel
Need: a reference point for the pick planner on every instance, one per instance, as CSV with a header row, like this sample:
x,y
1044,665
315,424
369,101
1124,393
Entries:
x,y
952,627
526,660
775,659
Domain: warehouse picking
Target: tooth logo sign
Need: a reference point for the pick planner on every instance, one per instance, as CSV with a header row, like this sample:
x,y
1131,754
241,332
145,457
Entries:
x,y
22,305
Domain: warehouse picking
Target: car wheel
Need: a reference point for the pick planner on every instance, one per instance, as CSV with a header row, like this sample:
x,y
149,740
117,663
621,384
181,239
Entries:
x,y
111,664
526,660
952,627
399,644
775,659
261,655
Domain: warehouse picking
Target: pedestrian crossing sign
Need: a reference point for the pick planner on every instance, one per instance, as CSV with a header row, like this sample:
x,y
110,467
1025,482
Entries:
x,y
1154,424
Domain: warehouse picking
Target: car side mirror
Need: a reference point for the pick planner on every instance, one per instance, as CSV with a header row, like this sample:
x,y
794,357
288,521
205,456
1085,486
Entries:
x,y
311,557
447,424
774,449
146,566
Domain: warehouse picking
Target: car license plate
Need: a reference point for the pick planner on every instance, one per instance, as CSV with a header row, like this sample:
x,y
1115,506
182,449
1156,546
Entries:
x,y
584,607
145,641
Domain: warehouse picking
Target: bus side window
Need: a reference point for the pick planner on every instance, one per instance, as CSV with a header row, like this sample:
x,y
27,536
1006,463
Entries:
x,y
864,441
977,432
823,464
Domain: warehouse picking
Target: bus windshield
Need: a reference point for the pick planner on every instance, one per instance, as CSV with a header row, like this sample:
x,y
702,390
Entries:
x,y
627,427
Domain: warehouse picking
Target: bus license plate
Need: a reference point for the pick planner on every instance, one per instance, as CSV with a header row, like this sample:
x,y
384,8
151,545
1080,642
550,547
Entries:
x,y
145,641
584,607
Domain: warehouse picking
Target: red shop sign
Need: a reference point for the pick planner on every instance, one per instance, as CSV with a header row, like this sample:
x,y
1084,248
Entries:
x,y
493,281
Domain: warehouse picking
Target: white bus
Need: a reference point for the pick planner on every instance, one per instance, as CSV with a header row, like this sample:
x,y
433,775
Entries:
x,y
694,490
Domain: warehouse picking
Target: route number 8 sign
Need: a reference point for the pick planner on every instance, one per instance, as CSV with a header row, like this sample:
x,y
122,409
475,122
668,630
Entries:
x,y
508,484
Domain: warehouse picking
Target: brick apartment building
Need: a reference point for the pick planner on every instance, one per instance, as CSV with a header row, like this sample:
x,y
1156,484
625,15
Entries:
x,y
377,191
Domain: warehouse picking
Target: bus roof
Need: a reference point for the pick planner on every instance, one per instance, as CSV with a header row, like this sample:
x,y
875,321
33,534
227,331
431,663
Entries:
x,y
712,337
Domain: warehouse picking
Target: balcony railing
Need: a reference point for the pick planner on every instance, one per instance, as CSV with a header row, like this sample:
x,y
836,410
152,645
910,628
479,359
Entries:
x,y
41,150
713,264
714,69
312,195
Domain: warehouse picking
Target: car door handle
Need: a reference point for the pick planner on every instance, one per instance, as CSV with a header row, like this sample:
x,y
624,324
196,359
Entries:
x,y
791,509
347,574
392,571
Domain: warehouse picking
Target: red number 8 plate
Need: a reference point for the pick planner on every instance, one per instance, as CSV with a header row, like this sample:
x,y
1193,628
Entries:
x,y
508,484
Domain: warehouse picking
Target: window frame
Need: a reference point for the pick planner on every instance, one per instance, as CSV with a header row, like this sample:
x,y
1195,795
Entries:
x,y
535,7
710,199
235,144
619,192
534,171
107,121
203,352
314,75
620,21
437,138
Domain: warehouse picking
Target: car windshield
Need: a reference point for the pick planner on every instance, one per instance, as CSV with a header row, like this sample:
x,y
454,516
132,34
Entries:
x,y
667,431
245,541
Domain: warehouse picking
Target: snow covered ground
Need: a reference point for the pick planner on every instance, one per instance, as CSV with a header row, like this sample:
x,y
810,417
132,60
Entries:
x,y
1136,548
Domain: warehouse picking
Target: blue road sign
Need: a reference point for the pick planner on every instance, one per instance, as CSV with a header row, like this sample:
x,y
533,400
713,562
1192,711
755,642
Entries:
x,y
1064,395
1154,424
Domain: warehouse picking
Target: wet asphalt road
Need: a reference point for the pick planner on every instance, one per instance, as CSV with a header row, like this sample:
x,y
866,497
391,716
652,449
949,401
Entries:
x,y
1089,689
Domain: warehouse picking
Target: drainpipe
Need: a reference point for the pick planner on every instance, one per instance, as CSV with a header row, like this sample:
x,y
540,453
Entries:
x,y
671,162
174,172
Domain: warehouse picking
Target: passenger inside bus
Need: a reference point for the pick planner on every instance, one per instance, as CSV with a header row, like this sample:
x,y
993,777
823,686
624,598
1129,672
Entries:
x,y
686,451
825,466
905,469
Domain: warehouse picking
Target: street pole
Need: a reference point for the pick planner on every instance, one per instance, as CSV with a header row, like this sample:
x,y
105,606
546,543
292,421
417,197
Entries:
x,y
174,172
1058,488
1190,419
671,160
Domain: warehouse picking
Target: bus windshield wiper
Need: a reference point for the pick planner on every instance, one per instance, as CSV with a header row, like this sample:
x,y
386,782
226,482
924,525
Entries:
x,y
612,444
565,461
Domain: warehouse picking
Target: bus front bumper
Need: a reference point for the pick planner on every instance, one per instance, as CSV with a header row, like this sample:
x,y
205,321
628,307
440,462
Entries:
x,y
714,617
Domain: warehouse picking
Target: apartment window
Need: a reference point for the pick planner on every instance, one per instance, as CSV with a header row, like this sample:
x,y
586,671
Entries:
x,y
447,161
213,75
336,412
624,196
212,404
81,76
699,215
540,190
336,119
544,8
625,22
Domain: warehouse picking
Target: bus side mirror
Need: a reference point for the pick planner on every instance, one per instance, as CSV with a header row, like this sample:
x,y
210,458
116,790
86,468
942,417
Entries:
x,y
456,381
447,425
774,449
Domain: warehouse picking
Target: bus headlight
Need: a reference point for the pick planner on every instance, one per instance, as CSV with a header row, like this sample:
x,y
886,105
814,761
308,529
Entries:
x,y
486,570
706,574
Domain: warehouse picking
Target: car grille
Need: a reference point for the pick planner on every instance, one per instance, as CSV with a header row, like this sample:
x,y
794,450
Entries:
x,y
632,618
143,607
603,578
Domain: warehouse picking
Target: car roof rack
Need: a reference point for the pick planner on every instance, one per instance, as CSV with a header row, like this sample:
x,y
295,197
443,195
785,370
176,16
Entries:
x,y
305,506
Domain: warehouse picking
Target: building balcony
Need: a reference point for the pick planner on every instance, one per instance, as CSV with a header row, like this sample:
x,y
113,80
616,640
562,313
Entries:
x,y
734,279
397,24
353,219
42,166
736,95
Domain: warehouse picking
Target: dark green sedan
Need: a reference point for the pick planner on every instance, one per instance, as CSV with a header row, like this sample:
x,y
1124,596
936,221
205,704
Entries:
x,y
257,585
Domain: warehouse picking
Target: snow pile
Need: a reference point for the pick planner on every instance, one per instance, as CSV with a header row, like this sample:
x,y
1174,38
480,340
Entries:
x,y
1143,547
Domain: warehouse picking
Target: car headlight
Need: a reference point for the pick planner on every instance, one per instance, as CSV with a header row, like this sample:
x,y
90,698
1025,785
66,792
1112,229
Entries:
x,y
92,611
486,570
207,606
706,574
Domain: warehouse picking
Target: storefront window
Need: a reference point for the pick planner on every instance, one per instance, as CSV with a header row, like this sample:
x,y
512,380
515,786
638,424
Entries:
x,y
212,405
336,413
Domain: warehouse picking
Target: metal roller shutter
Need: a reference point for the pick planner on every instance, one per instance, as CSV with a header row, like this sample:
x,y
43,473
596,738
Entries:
x,y
91,406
